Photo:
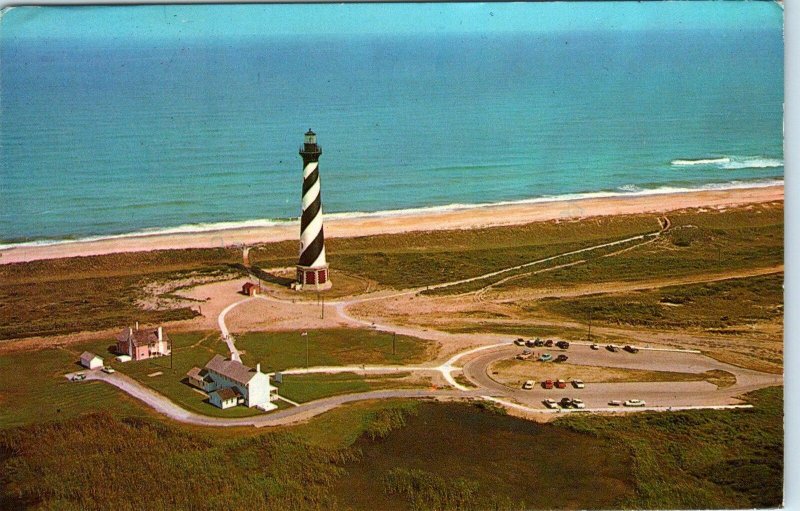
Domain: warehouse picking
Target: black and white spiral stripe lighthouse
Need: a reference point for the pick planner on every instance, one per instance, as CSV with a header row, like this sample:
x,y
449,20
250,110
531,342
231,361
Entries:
x,y
312,270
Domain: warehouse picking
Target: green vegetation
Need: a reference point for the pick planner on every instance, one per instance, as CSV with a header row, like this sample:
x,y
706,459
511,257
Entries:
x,y
719,305
397,455
424,490
101,462
698,243
701,459
302,388
423,258
446,452
61,296
333,346
33,389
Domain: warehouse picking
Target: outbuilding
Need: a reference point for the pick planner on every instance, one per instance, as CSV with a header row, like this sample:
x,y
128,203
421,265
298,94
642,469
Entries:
x,y
250,289
91,361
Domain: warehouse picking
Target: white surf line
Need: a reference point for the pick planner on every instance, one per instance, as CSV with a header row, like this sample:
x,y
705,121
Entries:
x,y
226,336
528,409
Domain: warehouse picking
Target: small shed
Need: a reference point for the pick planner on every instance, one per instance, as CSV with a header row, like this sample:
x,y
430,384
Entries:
x,y
123,358
91,361
250,289
224,398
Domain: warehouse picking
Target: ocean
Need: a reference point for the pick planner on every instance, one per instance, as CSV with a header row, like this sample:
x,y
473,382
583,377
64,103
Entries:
x,y
111,137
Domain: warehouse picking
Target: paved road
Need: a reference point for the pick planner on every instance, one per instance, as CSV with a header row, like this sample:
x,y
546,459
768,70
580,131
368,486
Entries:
x,y
656,394
279,418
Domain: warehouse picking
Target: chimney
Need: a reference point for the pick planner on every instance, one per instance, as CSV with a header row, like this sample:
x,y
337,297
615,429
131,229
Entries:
x,y
160,334
258,367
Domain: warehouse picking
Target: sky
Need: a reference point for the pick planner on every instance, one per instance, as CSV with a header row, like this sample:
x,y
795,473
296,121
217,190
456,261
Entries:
x,y
145,22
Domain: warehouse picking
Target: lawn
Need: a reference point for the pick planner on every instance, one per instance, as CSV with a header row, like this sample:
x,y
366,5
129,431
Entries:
x,y
334,346
302,388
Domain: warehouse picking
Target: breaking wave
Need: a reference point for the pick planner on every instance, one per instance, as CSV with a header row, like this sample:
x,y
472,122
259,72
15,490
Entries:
x,y
731,162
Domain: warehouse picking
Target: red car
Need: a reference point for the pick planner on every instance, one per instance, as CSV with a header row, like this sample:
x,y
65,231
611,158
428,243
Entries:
x,y
561,384
548,384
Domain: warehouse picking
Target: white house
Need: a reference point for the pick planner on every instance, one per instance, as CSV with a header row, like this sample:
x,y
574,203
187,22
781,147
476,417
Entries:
x,y
229,382
91,361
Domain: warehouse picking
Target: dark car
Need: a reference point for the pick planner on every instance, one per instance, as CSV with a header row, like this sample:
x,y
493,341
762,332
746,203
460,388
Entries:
x,y
529,343
631,349
561,358
612,348
565,402
548,343
562,344
538,343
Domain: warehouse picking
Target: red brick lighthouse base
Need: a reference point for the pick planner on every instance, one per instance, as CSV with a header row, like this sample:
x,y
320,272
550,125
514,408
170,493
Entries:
x,y
312,278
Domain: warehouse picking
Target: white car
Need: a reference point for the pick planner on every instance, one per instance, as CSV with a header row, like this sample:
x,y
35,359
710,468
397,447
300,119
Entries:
x,y
634,402
520,342
108,370
578,384
550,403
577,403
528,385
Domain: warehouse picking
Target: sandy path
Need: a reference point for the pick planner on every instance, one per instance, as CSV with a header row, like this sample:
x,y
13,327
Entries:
x,y
475,217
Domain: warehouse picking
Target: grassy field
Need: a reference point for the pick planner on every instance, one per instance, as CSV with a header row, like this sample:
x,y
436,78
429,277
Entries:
x,y
723,306
698,243
302,388
515,372
61,296
402,455
700,460
335,346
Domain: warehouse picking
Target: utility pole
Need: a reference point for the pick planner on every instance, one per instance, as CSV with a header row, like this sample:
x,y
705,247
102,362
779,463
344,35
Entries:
x,y
590,324
171,353
306,351
323,307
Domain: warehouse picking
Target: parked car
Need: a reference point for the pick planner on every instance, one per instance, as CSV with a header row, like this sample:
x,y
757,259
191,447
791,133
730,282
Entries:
x,y
561,384
530,343
565,402
545,357
538,343
549,343
520,342
528,385
578,384
562,344
595,347
550,403
612,348
108,370
524,356
561,358
548,384
578,403
615,403
631,349
527,352
78,377
634,402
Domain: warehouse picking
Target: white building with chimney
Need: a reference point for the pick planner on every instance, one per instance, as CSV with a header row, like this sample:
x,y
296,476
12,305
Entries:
x,y
230,383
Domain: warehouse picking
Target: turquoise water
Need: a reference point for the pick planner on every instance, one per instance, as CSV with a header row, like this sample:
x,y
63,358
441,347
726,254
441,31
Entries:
x,y
108,137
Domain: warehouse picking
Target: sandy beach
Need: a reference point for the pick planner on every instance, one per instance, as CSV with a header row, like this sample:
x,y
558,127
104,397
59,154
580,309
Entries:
x,y
477,217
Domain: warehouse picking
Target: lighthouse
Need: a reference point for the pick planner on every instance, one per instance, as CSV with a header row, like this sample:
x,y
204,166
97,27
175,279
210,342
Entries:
x,y
312,269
